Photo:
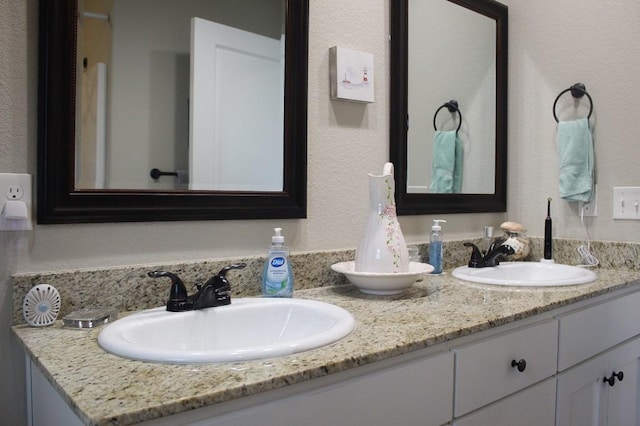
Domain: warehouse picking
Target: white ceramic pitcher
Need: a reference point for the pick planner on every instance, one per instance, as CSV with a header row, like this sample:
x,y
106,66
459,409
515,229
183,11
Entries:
x,y
383,248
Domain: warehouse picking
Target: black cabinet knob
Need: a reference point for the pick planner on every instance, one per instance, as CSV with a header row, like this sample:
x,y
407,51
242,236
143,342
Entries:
x,y
612,380
521,365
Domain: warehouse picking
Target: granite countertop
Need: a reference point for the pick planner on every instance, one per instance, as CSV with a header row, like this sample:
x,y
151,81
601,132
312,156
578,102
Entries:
x,y
104,389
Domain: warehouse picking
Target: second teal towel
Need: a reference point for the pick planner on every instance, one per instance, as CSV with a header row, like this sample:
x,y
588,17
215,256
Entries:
x,y
575,152
446,163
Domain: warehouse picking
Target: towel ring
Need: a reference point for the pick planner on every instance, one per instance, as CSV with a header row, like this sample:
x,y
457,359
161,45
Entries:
x,y
578,90
452,106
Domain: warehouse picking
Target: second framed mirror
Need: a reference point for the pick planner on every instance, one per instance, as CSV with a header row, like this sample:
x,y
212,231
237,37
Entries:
x,y
448,124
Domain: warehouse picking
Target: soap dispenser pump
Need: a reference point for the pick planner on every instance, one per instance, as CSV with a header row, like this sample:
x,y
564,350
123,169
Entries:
x,y
435,246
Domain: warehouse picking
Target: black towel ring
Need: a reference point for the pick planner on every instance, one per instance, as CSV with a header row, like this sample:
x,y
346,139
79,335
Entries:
x,y
452,106
578,90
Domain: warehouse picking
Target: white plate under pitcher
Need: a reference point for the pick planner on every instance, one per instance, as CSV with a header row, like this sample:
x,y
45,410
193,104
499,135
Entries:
x,y
383,283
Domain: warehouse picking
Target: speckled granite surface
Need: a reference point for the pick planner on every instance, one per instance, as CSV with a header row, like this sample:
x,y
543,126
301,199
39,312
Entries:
x,y
104,389
107,390
129,288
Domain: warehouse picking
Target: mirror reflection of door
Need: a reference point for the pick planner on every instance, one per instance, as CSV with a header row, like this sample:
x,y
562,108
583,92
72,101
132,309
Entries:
x,y
451,55
236,126
145,45
94,51
92,127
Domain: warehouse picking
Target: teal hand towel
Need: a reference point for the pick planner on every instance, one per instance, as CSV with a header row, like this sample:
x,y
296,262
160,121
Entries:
x,y
446,163
575,152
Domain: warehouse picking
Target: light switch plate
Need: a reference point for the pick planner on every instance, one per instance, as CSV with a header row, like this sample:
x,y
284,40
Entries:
x,y
626,202
15,187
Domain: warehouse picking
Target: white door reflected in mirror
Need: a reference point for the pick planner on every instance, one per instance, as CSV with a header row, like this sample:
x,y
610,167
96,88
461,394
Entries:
x,y
92,127
236,104
143,119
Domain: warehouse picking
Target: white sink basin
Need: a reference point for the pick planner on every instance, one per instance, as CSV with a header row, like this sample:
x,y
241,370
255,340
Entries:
x,y
527,274
249,328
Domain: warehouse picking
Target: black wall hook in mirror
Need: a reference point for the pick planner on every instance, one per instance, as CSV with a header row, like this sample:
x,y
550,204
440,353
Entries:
x,y
452,107
578,90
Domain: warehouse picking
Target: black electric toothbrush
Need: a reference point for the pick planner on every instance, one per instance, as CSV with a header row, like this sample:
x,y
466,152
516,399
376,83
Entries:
x,y
548,244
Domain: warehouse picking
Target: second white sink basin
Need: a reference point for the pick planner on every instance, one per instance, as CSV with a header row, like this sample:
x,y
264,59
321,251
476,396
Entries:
x,y
249,328
528,274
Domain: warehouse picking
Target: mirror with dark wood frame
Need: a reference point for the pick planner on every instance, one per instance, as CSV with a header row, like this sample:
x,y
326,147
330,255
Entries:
x,y
411,203
59,201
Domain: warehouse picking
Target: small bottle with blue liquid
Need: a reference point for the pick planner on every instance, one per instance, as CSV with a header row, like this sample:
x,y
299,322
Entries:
x,y
435,246
277,276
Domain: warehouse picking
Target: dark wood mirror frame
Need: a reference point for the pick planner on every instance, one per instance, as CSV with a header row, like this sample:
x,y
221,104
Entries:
x,y
59,201
413,203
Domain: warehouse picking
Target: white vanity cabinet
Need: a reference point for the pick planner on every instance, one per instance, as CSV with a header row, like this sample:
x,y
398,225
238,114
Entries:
x,y
570,357
595,344
413,393
498,366
45,407
565,357
594,329
509,375
585,398
534,406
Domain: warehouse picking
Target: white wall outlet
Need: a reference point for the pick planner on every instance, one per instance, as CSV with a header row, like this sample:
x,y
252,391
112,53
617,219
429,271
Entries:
x,y
16,188
15,192
626,202
590,209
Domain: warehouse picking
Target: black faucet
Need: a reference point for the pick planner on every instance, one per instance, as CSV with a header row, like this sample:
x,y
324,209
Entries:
x,y
490,258
215,292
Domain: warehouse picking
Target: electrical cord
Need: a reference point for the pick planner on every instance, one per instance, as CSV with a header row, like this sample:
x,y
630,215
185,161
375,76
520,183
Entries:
x,y
588,259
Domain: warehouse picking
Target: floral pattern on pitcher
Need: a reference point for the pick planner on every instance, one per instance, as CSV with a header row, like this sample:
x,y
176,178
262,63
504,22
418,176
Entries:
x,y
388,214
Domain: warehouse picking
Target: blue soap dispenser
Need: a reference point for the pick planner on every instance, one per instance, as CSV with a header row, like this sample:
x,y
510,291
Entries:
x,y
435,246
277,276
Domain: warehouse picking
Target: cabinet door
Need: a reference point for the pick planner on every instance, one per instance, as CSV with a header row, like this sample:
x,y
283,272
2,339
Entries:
x,y
584,398
46,407
534,406
623,402
582,394
416,393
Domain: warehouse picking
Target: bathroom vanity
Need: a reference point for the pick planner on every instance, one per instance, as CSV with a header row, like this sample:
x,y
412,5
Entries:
x,y
445,352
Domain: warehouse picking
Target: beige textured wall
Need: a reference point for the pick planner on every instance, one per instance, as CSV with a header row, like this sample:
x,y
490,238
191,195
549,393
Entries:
x,y
551,46
346,141
18,73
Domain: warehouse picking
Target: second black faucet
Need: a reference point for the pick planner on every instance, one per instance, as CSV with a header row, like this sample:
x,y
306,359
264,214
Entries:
x,y
490,258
